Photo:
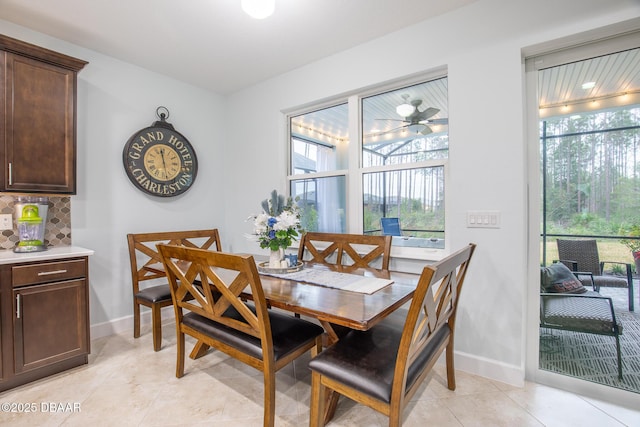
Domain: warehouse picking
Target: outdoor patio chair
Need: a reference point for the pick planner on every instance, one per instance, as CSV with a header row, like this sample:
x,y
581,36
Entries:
x,y
390,226
566,305
581,256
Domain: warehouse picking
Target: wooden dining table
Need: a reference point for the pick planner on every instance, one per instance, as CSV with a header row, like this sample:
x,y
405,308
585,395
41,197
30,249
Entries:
x,y
331,306
335,307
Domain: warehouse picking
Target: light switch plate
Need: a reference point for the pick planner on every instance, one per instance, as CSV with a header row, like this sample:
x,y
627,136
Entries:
x,y
6,222
483,219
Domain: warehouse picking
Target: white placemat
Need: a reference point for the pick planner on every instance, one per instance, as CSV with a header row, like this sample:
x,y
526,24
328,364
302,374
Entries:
x,y
335,279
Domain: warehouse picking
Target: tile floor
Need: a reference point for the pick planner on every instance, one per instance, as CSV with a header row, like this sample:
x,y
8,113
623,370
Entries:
x,y
127,384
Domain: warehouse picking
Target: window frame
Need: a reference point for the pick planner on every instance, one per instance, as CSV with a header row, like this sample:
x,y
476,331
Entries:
x,y
355,172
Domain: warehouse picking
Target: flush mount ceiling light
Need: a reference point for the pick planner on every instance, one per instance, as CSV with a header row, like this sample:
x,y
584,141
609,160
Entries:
x,y
405,109
588,85
258,9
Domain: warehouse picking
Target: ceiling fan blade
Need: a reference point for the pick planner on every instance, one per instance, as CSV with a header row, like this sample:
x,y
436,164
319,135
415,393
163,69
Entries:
x,y
392,120
426,131
424,115
390,130
443,121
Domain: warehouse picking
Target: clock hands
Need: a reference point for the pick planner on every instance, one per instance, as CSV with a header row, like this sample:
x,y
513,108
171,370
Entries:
x,y
164,164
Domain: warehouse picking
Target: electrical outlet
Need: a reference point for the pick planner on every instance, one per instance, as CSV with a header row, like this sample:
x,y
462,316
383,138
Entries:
x,y
6,222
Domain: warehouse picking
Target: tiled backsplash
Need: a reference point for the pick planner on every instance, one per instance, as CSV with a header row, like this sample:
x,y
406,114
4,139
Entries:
x,y
57,229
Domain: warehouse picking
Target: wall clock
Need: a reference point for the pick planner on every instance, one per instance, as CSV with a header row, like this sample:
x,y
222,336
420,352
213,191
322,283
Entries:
x,y
159,160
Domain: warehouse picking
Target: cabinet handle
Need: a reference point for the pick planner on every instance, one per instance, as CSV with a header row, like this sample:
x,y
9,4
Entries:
x,y
17,306
10,174
46,273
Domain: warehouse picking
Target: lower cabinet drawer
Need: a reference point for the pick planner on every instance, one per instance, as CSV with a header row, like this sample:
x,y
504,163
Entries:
x,y
33,274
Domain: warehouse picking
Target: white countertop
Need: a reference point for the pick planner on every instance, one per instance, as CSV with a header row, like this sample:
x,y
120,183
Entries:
x,y
7,256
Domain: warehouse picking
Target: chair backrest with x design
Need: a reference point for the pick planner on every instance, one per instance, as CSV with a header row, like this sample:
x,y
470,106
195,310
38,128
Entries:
x,y
210,283
146,263
433,307
146,266
207,289
348,250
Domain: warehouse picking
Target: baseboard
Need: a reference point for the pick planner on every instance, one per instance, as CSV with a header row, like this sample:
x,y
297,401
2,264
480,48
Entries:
x,y
488,368
125,324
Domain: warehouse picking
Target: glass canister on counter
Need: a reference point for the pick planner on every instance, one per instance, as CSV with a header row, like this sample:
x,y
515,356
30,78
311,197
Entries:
x,y
31,217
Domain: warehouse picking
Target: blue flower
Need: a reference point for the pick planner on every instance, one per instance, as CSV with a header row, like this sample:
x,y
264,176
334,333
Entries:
x,y
272,221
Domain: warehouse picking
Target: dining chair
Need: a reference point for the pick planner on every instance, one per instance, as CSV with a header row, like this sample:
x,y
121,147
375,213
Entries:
x,y
206,289
384,366
146,266
581,256
351,251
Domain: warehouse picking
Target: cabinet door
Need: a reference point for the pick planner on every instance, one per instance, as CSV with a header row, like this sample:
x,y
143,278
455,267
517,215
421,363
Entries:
x,y
2,341
50,323
39,126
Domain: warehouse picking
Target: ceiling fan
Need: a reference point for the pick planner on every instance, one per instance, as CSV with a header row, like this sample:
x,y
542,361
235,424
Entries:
x,y
414,117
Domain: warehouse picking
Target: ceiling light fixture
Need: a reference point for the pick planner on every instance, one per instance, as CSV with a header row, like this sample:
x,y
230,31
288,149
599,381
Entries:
x,y
588,85
405,110
258,9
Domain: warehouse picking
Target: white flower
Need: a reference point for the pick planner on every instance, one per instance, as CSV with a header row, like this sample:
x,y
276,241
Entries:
x,y
286,219
260,223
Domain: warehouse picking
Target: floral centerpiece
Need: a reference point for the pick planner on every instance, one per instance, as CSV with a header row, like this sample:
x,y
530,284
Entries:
x,y
277,226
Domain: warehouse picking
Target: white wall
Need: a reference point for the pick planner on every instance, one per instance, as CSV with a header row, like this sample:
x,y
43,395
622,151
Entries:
x,y
481,46
115,100
240,162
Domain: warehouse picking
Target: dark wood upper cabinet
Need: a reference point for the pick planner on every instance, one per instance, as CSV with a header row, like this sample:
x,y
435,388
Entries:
x,y
38,113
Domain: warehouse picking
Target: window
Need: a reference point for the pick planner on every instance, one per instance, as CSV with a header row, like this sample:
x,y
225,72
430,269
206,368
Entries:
x,y
316,182
398,170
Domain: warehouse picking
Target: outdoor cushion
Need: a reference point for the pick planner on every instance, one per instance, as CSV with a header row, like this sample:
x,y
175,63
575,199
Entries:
x,y
557,278
583,313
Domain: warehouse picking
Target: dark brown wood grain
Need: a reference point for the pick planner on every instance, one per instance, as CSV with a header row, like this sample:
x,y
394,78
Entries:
x,y
38,136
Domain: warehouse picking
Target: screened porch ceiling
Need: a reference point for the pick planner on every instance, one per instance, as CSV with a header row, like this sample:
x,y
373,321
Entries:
x,y
616,79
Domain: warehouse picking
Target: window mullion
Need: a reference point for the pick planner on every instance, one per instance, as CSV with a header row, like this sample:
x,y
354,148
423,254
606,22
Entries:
x,y
354,177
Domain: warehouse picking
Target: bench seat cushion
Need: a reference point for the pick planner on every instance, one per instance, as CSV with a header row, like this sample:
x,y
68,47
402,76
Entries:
x,y
288,333
365,360
155,294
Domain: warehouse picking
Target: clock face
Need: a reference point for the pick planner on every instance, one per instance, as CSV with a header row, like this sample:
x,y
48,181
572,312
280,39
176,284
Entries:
x,y
160,161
